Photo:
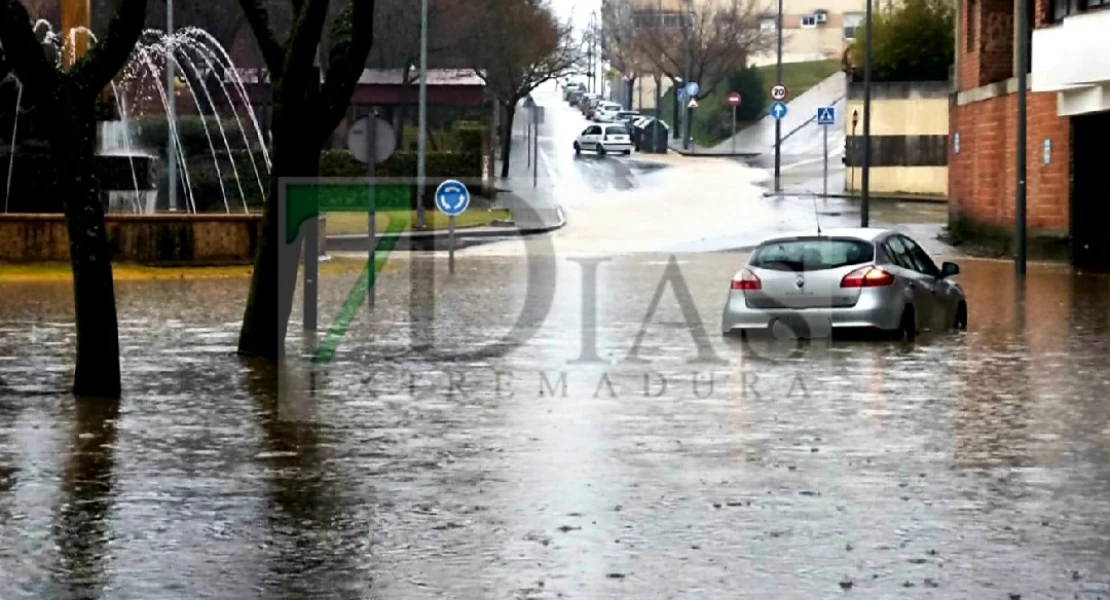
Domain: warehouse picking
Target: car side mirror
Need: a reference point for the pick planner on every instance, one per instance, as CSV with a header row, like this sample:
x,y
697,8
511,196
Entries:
x,y
949,269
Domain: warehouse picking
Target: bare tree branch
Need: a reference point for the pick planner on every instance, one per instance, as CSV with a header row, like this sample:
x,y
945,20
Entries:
x,y
23,51
96,69
348,58
273,53
721,37
303,42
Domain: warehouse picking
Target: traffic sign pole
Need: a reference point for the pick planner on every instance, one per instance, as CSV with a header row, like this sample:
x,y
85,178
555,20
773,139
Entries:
x,y
452,199
826,161
734,129
372,238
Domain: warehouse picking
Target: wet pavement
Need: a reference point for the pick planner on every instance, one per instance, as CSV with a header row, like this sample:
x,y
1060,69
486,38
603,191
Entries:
x,y
562,419
964,466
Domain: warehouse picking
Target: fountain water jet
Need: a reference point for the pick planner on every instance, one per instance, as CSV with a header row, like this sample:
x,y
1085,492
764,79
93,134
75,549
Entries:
x,y
203,61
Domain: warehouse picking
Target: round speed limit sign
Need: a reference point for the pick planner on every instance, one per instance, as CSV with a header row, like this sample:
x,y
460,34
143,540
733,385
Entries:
x,y
778,92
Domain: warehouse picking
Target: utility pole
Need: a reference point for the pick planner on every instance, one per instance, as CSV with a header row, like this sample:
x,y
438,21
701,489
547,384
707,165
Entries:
x,y
865,178
590,55
778,122
689,112
422,135
171,111
1023,69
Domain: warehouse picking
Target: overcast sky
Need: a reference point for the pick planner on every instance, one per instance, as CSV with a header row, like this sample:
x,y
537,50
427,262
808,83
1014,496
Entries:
x,y
579,10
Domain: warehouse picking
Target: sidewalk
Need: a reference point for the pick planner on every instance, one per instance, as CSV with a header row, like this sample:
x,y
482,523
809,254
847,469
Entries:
x,y
881,197
698,151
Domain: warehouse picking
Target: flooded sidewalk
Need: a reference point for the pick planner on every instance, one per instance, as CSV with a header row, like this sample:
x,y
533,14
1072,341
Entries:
x,y
557,436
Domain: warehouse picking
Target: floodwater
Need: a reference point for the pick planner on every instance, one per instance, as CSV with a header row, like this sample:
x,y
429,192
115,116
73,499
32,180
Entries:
x,y
421,462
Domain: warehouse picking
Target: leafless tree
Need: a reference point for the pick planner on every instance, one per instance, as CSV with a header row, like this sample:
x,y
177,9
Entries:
x,y
719,36
522,45
623,47
397,42
66,103
305,114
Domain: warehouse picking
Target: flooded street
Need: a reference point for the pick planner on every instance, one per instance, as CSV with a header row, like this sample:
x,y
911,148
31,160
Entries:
x,y
420,460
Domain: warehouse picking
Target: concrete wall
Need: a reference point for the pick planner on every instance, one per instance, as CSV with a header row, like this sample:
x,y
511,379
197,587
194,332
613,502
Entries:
x,y
147,239
909,138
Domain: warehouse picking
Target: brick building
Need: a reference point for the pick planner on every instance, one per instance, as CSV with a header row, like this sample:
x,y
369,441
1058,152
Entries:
x,y
1068,123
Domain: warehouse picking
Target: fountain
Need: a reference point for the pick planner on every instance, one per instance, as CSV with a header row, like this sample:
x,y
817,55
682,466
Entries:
x,y
131,171
217,144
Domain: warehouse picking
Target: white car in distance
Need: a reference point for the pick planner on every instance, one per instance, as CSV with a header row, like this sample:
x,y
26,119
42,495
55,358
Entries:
x,y
606,112
604,139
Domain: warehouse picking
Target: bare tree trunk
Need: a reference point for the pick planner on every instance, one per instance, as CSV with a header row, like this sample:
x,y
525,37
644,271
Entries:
x,y
295,153
507,138
97,372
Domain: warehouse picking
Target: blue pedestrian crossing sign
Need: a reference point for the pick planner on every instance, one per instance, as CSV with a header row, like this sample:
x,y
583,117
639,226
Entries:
x,y
826,115
452,198
778,110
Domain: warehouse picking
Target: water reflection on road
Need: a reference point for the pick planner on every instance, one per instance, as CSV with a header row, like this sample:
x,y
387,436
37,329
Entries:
x,y
969,465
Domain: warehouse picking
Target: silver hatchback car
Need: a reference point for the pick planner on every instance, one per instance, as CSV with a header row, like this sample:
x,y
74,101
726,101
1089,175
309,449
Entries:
x,y
806,286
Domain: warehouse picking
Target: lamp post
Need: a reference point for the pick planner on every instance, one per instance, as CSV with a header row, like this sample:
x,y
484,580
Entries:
x,y
689,112
865,183
851,167
422,135
778,122
171,110
1023,69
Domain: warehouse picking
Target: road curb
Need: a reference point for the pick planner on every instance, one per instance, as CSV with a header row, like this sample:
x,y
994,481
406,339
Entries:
x,y
410,239
715,154
881,198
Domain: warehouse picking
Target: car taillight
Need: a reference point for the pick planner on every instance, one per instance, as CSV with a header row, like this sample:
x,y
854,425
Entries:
x,y
746,281
867,277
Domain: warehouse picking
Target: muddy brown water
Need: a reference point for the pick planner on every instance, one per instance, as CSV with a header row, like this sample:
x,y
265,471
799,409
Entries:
x,y
973,465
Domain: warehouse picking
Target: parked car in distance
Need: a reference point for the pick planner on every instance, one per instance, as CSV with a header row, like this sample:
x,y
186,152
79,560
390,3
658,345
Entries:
x,y
808,286
570,88
606,112
628,117
575,97
591,106
603,139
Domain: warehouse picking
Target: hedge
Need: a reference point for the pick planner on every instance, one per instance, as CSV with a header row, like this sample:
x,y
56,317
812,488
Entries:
x,y
333,163
152,134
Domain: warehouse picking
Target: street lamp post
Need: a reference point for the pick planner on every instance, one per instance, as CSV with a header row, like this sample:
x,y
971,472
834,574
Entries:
x,y
689,112
422,135
865,178
778,122
1023,69
171,111
852,167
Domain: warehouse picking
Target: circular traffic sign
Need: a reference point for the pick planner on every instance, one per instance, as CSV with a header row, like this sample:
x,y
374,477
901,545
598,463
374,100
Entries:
x,y
734,99
778,92
452,198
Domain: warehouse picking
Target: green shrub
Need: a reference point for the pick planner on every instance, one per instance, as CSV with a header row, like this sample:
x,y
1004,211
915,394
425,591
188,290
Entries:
x,y
913,40
208,194
469,136
152,134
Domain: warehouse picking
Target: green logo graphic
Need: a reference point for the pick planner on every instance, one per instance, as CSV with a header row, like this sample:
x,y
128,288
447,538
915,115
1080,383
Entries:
x,y
308,200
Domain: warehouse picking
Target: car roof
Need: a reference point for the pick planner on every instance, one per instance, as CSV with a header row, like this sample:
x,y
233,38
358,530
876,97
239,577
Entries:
x,y
865,234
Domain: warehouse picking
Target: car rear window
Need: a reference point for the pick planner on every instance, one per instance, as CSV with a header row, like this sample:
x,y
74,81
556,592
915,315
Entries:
x,y
616,131
813,254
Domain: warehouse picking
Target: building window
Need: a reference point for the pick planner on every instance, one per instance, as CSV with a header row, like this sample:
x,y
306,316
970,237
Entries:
x,y
768,23
1064,8
809,21
852,22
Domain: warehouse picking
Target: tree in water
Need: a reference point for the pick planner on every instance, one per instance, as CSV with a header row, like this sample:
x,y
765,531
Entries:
x,y
304,117
66,105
